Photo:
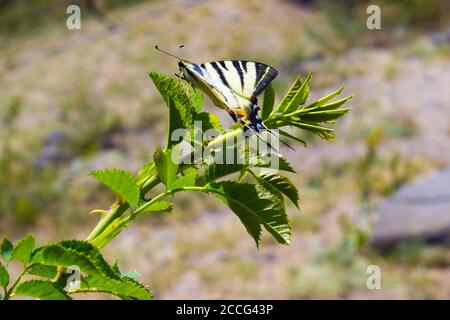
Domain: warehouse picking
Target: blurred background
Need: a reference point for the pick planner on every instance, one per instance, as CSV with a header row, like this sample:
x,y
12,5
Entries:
x,y
72,101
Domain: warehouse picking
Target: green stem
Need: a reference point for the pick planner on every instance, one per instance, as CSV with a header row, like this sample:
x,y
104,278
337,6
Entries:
x,y
158,197
115,212
9,292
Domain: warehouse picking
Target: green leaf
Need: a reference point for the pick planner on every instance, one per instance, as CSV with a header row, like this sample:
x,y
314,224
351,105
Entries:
x,y
184,102
268,102
255,207
125,288
215,170
209,121
184,181
6,249
274,162
175,122
43,271
121,182
280,184
4,276
290,136
147,171
187,99
300,96
167,169
41,289
325,99
289,96
87,249
330,106
23,248
74,252
131,274
159,206
324,116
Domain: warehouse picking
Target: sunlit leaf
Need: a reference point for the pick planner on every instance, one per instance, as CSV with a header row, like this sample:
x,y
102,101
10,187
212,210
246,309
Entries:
x,y
6,249
22,249
41,289
255,207
4,276
166,168
268,102
121,182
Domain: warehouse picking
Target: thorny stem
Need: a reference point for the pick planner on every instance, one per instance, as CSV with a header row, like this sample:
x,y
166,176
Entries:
x,y
118,209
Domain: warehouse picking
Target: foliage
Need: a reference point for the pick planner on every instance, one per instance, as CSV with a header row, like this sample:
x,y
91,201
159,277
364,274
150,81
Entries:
x,y
49,271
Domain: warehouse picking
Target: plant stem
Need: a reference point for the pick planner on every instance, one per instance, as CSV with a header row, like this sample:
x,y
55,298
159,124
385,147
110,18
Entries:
x,y
115,212
9,292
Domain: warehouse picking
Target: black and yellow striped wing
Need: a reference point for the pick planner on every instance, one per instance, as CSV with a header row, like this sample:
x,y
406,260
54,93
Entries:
x,y
247,79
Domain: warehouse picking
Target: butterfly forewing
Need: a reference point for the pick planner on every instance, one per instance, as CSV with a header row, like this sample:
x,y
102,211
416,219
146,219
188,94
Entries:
x,y
245,78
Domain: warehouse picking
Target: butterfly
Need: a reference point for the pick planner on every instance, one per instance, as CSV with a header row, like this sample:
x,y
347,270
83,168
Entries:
x,y
232,85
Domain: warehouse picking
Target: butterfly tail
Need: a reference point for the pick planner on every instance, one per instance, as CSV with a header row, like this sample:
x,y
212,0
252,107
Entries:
x,y
256,124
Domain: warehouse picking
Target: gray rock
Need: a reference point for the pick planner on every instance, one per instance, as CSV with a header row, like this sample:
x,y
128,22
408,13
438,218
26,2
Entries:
x,y
51,152
418,210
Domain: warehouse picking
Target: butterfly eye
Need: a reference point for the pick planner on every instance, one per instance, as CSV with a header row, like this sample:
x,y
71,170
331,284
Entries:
x,y
181,65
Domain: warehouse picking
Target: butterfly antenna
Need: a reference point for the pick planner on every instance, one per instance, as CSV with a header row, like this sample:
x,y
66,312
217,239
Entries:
x,y
169,54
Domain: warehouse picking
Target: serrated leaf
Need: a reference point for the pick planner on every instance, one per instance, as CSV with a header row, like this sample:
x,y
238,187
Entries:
x,y
184,102
216,171
23,249
43,271
281,184
131,274
289,96
121,182
268,102
324,115
325,99
175,122
188,99
6,249
330,106
4,276
147,171
41,289
275,162
255,207
86,248
125,288
209,121
167,169
56,255
184,181
300,96
159,206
